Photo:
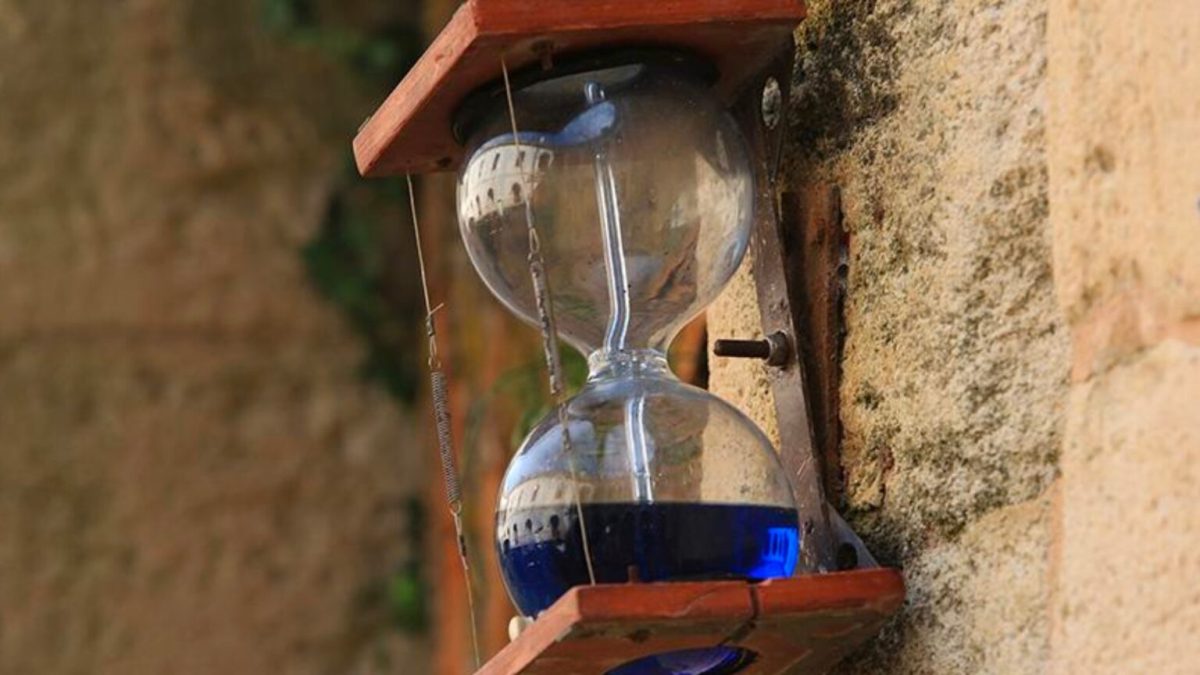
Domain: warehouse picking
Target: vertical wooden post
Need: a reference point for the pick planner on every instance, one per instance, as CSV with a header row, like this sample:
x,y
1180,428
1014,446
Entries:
x,y
815,247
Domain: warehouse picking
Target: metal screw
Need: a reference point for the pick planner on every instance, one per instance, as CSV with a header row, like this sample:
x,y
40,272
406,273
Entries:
x,y
775,349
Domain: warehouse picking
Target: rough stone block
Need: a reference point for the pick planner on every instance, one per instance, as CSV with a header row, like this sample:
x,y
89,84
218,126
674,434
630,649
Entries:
x,y
975,605
930,117
1123,158
1128,559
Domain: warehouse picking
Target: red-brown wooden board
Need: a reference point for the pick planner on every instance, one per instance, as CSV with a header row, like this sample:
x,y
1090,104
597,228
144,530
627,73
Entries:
x,y
411,131
810,621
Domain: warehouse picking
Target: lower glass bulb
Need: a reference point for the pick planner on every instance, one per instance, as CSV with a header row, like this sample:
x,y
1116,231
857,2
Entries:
x,y
664,480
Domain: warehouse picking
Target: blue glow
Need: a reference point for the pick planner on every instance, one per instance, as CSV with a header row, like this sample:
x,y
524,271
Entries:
x,y
705,661
782,552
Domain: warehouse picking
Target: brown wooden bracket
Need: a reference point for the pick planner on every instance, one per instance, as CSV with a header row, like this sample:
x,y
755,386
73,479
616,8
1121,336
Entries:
x,y
815,250
802,624
798,253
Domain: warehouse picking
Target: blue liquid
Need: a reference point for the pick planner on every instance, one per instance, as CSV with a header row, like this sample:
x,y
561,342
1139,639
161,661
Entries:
x,y
541,553
541,557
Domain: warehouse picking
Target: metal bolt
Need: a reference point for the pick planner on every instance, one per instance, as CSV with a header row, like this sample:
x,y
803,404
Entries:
x,y
775,349
742,349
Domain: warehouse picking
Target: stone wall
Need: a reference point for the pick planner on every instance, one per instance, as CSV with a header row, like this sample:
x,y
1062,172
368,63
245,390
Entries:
x,y
1022,363
193,478
931,117
1124,159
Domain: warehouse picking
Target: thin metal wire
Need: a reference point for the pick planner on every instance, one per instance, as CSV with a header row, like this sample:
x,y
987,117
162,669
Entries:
x,y
781,132
549,329
441,414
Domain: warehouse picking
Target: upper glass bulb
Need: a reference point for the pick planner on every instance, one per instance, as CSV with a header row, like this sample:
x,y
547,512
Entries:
x,y
643,151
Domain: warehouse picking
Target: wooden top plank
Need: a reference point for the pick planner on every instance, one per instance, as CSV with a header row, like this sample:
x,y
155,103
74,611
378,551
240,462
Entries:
x,y
411,130
523,17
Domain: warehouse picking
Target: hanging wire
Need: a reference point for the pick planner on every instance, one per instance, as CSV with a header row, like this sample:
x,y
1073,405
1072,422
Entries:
x,y
781,133
441,414
549,330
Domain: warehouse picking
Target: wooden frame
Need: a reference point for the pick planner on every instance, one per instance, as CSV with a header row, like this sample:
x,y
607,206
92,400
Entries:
x,y
814,251
411,132
810,622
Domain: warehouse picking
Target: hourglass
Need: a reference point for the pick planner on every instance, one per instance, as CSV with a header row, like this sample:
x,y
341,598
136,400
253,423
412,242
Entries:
x,y
640,188
606,195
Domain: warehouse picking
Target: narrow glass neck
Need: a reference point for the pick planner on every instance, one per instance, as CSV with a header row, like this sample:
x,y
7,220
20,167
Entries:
x,y
605,363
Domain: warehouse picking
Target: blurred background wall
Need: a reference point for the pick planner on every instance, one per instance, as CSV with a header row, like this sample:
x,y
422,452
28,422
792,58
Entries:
x,y
215,447
201,470
1020,392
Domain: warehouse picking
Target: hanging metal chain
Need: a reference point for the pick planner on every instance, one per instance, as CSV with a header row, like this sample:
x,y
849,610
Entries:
x,y
549,329
441,414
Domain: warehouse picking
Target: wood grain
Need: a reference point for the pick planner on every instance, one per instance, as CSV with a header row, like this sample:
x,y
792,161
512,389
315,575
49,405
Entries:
x,y
814,246
812,620
411,131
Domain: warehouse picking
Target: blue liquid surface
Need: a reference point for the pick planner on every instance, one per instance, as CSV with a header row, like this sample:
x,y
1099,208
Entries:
x,y
541,552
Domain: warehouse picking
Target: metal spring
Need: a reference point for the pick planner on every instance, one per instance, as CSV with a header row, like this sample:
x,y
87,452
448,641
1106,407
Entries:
x,y
441,414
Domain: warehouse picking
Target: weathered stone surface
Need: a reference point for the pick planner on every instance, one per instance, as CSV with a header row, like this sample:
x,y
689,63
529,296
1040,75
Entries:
x,y
1127,597
1125,179
977,604
1124,167
931,119
192,477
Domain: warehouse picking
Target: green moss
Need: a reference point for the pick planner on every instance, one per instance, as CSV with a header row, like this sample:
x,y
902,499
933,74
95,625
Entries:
x,y
846,61
351,260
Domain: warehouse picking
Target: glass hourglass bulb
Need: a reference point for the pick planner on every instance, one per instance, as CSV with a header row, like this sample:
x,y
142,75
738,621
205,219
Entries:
x,y
640,188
